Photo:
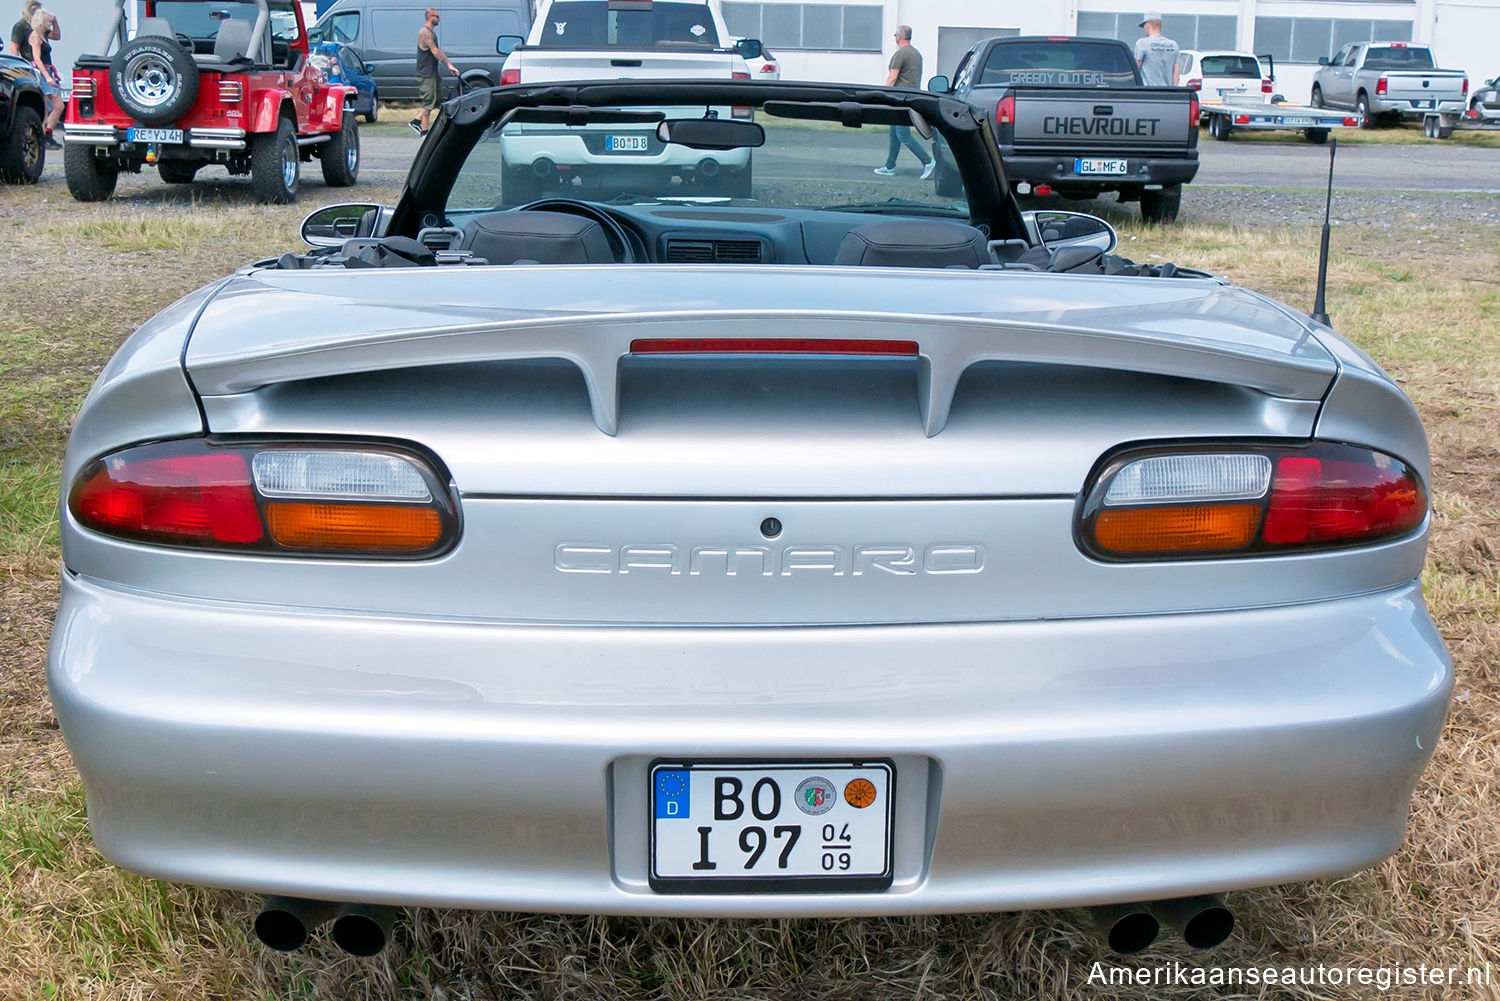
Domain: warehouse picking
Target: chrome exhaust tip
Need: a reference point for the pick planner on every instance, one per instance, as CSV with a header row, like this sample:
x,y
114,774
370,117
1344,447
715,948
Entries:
x,y
284,923
363,929
1203,922
1127,928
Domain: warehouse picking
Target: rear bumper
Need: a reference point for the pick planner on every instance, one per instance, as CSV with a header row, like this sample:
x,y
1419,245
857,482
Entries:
x,y
1058,170
483,765
199,138
1410,110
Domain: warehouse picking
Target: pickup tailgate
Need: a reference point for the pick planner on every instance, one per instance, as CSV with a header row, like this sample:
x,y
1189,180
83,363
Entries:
x,y
1103,120
1429,85
550,65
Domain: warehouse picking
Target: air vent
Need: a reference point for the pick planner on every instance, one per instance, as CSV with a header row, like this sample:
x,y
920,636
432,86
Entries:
x,y
714,251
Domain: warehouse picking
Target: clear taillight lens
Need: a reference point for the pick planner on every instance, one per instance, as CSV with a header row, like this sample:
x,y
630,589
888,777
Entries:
x,y
309,499
1256,500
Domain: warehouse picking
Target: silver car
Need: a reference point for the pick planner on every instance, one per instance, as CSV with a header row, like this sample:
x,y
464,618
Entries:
x,y
840,550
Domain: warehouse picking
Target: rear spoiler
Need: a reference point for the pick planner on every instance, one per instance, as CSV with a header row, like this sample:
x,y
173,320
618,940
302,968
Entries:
x,y
321,326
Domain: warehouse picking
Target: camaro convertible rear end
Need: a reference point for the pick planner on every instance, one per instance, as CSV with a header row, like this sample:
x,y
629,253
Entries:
x,y
855,584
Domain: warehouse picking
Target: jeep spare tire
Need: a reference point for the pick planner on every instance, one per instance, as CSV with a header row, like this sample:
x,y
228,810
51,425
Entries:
x,y
154,79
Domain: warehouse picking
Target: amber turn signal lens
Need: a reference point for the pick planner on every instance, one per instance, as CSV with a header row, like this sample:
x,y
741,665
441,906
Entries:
x,y
1197,528
392,528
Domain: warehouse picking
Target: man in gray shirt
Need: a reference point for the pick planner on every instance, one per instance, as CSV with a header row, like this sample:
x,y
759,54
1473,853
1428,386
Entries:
x,y
905,71
1156,54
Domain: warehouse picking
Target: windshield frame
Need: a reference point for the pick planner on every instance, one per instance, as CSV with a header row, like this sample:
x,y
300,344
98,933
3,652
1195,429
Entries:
x,y
463,121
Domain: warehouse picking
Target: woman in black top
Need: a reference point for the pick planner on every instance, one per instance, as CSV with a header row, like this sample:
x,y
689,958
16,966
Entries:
x,y
44,27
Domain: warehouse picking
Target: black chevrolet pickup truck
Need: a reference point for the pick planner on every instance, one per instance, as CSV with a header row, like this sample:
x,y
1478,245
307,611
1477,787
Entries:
x,y
1073,118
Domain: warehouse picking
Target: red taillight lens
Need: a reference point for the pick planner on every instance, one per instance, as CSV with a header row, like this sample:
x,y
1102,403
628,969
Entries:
x,y
1351,122
741,76
1005,111
1381,85
1195,110
314,499
508,77
1265,87
768,68
160,492
1242,119
770,346
1194,85
1257,500
1466,86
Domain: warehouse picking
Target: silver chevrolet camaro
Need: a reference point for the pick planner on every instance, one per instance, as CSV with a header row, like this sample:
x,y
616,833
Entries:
x,y
865,546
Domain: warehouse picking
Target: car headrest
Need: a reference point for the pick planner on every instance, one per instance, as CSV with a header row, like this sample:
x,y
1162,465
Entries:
x,y
233,39
155,26
543,237
914,243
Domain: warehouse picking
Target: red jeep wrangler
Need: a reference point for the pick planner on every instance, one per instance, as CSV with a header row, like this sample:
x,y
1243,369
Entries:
x,y
208,81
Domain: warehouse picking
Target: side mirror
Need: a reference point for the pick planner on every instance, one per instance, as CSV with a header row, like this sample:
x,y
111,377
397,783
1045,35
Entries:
x,y
331,225
940,84
506,44
1052,228
748,48
1323,60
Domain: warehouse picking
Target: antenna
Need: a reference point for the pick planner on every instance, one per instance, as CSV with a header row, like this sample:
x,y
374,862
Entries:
x,y
1320,309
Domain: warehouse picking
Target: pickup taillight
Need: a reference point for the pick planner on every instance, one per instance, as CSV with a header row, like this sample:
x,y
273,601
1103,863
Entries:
x,y
1265,87
1466,86
1194,85
1005,111
1382,85
1197,110
740,110
508,77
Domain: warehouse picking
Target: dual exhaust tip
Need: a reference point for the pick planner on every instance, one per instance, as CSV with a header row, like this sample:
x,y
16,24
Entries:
x,y
1203,922
286,923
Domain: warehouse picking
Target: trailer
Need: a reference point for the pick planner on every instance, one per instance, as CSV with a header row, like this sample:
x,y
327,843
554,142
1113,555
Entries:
x,y
1228,117
1437,125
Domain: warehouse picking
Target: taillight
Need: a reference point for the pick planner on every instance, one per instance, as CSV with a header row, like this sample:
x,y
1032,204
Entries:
x,y
231,91
508,77
1195,110
1194,85
1212,501
770,346
1466,86
741,76
741,110
1242,119
768,68
1265,87
1351,122
1382,85
270,497
83,86
1005,111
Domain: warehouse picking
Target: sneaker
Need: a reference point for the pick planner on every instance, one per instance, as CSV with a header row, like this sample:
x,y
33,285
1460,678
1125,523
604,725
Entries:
x,y
416,126
51,142
927,170
886,171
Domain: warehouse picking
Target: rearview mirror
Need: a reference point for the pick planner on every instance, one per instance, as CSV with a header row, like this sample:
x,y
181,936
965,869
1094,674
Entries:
x,y
505,44
331,225
711,133
1053,229
939,84
748,48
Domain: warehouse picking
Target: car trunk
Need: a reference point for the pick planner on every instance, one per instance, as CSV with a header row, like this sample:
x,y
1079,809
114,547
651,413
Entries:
x,y
600,483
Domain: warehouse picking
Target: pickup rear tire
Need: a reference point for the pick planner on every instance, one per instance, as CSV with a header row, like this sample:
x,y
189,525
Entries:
x,y
1161,206
1362,108
154,79
22,153
90,178
275,164
340,155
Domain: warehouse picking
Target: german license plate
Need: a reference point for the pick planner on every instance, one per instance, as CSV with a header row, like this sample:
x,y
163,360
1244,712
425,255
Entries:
x,y
747,827
1298,120
625,144
153,135
1083,166
1424,104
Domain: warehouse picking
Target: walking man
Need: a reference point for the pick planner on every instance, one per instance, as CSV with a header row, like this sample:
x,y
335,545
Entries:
x,y
428,55
906,71
1156,54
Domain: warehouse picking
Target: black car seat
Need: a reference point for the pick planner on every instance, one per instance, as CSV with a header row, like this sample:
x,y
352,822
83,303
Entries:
x,y
536,237
914,243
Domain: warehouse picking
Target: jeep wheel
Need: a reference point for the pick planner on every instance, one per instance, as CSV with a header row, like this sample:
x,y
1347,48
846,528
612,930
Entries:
x,y
275,164
177,171
22,154
1161,206
154,79
90,178
340,155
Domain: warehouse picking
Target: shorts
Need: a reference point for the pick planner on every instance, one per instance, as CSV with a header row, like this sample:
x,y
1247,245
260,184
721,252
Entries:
x,y
49,89
432,93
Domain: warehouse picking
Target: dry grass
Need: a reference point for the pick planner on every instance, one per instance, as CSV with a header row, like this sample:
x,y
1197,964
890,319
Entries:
x,y
71,926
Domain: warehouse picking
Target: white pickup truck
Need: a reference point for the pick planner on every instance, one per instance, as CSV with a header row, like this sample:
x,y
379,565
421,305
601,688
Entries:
x,y
1393,80
615,40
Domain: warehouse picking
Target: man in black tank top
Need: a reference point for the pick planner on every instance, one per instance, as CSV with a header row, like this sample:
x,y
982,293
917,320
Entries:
x,y
429,53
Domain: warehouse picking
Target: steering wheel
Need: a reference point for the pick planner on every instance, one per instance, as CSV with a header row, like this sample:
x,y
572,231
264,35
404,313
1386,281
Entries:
x,y
184,39
619,238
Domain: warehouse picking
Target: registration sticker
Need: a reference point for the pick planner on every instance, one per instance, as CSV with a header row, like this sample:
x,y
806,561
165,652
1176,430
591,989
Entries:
x,y
747,827
1083,166
171,136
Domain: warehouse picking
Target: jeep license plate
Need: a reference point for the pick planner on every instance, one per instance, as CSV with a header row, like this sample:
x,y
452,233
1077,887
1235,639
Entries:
x,y
169,136
1082,166
748,827
625,144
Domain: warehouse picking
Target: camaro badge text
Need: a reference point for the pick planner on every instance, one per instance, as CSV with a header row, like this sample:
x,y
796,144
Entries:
x,y
770,561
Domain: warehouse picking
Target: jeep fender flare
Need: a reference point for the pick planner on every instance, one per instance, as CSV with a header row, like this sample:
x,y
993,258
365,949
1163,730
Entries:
x,y
327,114
267,108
